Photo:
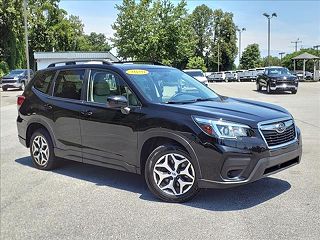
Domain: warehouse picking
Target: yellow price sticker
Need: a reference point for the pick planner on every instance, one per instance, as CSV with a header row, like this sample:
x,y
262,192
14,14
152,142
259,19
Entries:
x,y
137,72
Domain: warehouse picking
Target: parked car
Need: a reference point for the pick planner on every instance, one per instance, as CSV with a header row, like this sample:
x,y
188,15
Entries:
x,y
15,79
260,71
277,79
252,74
231,76
197,74
124,116
241,75
307,75
217,77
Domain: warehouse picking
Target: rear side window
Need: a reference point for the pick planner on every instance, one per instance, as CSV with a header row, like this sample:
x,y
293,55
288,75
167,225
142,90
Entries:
x,y
43,81
69,84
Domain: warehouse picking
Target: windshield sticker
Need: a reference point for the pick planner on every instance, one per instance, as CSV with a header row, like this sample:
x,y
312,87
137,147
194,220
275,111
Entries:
x,y
137,72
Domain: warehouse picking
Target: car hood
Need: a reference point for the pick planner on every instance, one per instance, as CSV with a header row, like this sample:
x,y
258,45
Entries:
x,y
11,76
282,76
236,110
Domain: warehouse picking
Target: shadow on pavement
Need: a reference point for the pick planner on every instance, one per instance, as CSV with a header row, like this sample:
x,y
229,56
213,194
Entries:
x,y
237,198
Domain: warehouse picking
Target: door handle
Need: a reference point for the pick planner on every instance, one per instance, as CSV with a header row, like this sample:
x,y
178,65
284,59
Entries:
x,y
48,106
86,113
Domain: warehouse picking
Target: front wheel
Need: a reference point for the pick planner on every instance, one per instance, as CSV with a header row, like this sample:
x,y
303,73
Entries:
x,y
294,91
4,89
269,89
170,174
258,87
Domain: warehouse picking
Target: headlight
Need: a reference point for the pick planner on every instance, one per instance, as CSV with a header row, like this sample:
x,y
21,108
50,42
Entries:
x,y
222,129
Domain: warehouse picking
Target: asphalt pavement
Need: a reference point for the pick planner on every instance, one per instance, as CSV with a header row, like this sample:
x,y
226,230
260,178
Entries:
x,y
78,201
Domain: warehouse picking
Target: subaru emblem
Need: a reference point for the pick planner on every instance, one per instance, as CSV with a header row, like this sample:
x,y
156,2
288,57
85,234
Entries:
x,y
280,127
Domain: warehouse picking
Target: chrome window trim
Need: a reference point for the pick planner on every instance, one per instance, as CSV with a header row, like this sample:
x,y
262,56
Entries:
x,y
275,121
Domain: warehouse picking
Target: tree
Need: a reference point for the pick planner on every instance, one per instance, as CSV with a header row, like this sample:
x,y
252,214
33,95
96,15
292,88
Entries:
x,y
12,33
196,63
250,57
202,23
272,61
154,30
225,41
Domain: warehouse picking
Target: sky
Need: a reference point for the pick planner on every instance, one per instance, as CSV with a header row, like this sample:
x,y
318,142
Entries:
x,y
296,19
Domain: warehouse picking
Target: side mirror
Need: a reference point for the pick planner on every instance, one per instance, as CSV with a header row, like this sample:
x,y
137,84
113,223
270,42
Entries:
x,y
119,102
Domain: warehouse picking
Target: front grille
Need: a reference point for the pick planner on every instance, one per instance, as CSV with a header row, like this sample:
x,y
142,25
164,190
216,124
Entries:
x,y
275,138
8,80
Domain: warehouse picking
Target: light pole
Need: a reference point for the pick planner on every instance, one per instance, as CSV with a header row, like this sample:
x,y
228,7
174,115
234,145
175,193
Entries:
x,y
269,18
26,36
281,53
240,31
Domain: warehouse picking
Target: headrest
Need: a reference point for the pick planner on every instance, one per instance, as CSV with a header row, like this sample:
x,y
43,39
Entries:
x,y
100,85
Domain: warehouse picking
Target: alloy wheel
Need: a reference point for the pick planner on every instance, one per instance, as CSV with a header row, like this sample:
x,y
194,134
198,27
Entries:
x,y
174,174
40,150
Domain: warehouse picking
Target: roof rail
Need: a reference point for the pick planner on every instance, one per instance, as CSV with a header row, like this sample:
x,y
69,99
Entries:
x,y
74,62
143,62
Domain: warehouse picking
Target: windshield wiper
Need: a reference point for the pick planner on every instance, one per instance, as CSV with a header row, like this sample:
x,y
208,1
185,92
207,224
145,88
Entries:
x,y
191,101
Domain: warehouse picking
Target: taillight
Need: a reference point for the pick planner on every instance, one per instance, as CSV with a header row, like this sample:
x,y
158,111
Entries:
x,y
20,100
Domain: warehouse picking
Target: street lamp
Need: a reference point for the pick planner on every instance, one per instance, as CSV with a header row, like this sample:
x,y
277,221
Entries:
x,y
26,36
269,17
281,54
240,31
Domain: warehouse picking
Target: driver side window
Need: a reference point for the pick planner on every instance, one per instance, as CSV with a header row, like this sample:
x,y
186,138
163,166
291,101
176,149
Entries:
x,y
103,84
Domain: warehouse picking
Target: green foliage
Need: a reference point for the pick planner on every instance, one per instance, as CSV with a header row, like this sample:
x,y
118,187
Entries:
x,y
224,42
251,57
11,32
202,23
273,61
197,63
4,68
154,30
287,62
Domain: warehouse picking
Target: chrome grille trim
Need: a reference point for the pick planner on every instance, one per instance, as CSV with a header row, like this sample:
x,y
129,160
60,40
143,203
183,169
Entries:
x,y
269,126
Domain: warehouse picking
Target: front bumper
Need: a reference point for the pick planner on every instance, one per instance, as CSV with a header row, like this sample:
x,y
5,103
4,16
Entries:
x,y
11,85
283,86
235,166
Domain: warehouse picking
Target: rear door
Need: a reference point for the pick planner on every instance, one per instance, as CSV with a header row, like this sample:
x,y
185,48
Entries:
x,y
66,106
109,137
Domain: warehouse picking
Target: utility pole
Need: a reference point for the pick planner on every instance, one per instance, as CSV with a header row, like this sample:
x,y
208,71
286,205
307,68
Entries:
x,y
26,36
240,31
218,55
281,53
269,18
296,44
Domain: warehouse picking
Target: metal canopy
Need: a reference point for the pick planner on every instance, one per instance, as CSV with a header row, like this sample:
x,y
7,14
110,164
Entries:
x,y
306,56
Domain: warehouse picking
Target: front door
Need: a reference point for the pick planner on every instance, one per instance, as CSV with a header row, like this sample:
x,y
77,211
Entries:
x,y
109,137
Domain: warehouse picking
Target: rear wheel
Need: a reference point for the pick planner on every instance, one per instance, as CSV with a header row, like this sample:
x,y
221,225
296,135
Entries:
x,y
41,150
170,174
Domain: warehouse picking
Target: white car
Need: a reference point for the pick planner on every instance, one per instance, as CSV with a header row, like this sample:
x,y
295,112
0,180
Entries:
x,y
197,74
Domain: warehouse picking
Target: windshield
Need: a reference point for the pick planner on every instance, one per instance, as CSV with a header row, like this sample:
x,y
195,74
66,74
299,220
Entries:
x,y
195,73
16,72
278,71
170,86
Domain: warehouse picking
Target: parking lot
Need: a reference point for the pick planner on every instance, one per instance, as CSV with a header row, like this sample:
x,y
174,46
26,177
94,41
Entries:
x,y
80,201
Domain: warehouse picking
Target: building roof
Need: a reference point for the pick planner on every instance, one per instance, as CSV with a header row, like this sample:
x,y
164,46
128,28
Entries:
x,y
75,55
306,56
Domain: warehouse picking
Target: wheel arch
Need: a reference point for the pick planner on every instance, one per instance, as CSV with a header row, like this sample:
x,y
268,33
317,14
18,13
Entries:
x,y
153,139
33,126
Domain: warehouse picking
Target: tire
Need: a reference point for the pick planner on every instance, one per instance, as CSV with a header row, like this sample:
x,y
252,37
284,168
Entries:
x,y
294,91
258,87
4,89
43,159
269,91
23,85
160,172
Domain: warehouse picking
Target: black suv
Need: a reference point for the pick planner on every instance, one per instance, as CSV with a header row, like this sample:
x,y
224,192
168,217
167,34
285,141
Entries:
x,y
277,79
130,117
15,79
